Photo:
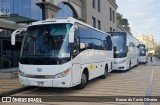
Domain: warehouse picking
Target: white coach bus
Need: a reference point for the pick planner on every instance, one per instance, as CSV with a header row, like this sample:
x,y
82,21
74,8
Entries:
x,y
126,51
143,53
63,52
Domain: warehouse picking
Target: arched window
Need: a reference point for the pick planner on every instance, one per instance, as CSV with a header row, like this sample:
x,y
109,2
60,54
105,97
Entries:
x,y
66,10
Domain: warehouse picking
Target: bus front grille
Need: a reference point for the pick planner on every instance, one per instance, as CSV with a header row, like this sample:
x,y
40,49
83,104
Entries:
x,y
40,76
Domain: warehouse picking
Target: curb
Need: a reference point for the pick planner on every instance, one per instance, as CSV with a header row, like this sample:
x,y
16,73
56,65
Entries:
x,y
18,90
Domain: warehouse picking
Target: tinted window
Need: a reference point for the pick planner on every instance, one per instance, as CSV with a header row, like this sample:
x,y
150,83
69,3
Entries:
x,y
105,45
66,11
96,34
97,44
119,42
85,38
26,8
0,48
76,45
93,39
18,8
50,40
109,41
142,50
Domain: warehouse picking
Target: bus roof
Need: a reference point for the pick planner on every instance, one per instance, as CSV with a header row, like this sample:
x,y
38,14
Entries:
x,y
64,20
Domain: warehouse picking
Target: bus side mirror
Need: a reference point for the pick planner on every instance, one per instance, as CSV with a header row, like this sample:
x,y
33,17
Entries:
x,y
16,32
71,34
114,48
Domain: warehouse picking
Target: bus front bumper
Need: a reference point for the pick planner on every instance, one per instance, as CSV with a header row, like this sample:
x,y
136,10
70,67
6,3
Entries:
x,y
142,60
60,82
119,67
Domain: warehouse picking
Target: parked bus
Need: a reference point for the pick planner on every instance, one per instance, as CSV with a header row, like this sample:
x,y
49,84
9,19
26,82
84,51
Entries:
x,y
63,52
126,51
143,53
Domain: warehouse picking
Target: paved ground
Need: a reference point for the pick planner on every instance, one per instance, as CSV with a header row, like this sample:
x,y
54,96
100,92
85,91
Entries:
x,y
9,84
139,81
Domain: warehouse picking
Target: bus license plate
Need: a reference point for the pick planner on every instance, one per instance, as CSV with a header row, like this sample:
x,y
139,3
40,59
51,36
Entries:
x,y
40,83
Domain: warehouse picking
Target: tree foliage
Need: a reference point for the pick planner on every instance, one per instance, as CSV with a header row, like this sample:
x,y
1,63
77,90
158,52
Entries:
x,y
121,20
157,49
124,22
119,17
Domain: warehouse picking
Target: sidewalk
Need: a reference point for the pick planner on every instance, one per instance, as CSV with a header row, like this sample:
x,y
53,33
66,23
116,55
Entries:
x,y
156,62
9,85
12,86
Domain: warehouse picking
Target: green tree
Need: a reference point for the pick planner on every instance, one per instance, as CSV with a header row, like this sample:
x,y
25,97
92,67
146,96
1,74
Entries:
x,y
119,17
121,20
157,49
124,22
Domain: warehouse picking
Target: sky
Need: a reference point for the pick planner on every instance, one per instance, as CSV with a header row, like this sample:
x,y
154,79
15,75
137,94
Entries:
x,y
143,16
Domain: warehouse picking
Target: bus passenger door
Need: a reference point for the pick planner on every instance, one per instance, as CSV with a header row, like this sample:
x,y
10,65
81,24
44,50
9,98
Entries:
x,y
76,74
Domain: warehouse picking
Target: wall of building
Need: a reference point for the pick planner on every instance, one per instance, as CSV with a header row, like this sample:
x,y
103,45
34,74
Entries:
x,y
103,15
77,5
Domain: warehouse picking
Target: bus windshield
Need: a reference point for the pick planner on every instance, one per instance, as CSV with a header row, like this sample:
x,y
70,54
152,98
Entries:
x,y
48,41
142,50
119,43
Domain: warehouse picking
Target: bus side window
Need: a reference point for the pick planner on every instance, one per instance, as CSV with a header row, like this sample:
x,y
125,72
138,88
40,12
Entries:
x,y
85,38
76,45
105,45
82,46
109,43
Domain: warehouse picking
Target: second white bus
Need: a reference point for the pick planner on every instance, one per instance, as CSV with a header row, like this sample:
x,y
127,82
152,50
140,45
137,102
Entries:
x,y
126,51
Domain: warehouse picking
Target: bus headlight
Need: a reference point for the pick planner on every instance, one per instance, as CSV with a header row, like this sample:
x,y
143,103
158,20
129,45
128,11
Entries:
x,y
122,61
62,74
20,73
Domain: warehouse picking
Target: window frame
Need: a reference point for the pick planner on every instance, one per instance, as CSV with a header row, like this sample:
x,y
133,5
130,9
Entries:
x,y
110,13
113,13
94,22
99,24
97,36
94,4
99,5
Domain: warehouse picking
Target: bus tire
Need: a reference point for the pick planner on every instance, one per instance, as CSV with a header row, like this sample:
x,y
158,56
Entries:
x,y
105,72
137,63
84,80
129,66
146,62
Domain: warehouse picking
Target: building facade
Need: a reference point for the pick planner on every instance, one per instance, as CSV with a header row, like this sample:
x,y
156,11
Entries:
x,y
12,13
148,40
100,14
91,12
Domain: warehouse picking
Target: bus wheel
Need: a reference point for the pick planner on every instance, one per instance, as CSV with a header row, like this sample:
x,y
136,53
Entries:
x,y
105,72
129,67
84,80
137,63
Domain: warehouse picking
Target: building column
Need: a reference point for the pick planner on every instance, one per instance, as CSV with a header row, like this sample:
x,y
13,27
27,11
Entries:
x,y
49,10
